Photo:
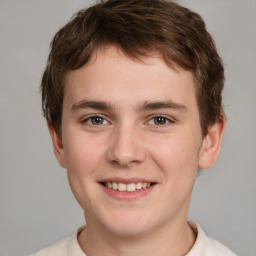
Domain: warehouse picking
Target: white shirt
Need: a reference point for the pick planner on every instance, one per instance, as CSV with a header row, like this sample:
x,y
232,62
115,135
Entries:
x,y
204,246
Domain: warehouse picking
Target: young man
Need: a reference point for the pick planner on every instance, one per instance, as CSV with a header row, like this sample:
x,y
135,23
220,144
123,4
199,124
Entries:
x,y
132,97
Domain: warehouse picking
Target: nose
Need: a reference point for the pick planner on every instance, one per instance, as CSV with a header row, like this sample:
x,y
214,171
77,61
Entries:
x,y
126,147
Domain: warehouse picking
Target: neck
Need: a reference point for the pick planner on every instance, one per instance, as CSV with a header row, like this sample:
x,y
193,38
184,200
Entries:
x,y
174,239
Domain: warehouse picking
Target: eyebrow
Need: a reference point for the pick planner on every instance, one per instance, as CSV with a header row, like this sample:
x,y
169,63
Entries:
x,y
100,105
145,106
162,105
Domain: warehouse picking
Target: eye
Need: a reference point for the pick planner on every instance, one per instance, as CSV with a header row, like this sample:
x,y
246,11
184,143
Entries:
x,y
160,120
95,120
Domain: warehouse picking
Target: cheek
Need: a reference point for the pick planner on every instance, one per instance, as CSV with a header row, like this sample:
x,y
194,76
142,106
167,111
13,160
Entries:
x,y
178,160
82,157
82,153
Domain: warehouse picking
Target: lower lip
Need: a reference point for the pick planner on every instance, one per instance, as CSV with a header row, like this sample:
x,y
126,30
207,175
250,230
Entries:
x,y
120,195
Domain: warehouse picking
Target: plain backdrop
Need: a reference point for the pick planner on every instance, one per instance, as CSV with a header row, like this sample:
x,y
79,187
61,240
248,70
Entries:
x,y
37,207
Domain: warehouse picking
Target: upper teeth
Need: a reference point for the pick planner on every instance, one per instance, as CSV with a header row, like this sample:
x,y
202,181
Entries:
x,y
127,187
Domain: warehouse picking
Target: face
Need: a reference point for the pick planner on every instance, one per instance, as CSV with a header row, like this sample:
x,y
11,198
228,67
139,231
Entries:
x,y
131,142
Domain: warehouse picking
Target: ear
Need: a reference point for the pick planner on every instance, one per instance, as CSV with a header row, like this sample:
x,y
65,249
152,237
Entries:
x,y
211,145
57,145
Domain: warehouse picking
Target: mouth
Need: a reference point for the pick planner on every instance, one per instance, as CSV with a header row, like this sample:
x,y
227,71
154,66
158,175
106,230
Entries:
x,y
130,187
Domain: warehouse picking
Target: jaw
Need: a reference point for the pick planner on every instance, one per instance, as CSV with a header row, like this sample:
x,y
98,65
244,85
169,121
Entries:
x,y
132,233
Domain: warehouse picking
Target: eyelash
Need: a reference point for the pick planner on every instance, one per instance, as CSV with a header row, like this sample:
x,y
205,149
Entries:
x,y
167,120
91,117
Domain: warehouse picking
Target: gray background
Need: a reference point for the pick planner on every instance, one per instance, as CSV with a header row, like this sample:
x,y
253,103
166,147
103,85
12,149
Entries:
x,y
37,207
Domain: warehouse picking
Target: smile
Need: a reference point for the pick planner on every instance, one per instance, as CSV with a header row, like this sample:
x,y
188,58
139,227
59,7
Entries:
x,y
131,187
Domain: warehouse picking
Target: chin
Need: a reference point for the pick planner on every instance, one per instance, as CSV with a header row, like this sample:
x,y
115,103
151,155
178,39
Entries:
x,y
129,225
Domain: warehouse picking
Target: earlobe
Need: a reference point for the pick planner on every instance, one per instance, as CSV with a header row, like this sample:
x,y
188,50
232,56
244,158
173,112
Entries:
x,y
211,144
57,145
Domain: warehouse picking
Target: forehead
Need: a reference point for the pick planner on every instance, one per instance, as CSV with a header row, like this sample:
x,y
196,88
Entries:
x,y
112,76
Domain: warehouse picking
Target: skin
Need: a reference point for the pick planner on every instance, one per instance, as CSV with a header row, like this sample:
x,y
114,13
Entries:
x,y
130,142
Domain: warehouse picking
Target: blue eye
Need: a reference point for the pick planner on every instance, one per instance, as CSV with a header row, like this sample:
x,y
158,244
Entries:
x,y
95,120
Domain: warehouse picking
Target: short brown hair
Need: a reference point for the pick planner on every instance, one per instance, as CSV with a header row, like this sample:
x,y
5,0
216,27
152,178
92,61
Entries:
x,y
139,28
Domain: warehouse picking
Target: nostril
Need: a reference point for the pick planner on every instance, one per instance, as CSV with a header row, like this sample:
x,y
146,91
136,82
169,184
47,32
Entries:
x,y
125,150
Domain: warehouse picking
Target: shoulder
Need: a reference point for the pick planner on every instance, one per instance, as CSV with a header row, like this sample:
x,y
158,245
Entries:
x,y
65,247
58,248
207,246
219,249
